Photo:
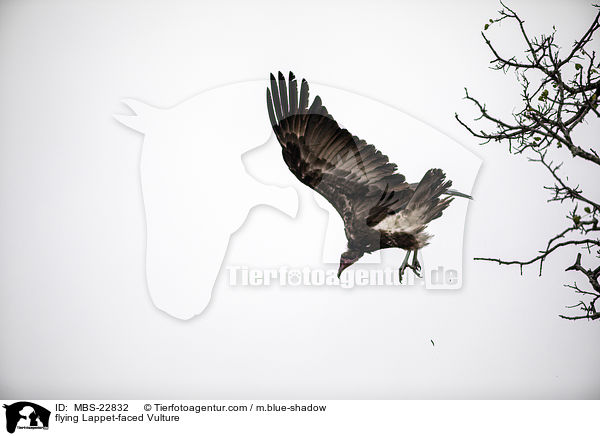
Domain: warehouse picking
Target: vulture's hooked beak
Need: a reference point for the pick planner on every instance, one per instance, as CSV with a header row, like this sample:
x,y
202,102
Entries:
x,y
343,265
347,259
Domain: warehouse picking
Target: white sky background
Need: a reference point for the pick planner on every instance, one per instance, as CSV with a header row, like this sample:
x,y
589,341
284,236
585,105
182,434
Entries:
x,y
75,316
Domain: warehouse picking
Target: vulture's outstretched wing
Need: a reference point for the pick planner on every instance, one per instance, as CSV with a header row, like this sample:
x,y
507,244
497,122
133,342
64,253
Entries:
x,y
356,178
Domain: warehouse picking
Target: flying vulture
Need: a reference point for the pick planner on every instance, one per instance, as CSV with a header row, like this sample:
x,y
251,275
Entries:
x,y
379,208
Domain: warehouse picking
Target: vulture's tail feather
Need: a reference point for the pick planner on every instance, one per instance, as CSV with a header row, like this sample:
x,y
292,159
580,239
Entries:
x,y
426,197
456,193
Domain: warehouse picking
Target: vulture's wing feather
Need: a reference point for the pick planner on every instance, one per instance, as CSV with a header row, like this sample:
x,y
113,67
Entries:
x,y
356,178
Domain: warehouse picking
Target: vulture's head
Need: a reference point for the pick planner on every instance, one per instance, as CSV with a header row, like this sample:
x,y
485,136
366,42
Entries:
x,y
347,259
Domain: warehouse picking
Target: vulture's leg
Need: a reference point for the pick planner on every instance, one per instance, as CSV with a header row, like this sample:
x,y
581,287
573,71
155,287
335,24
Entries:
x,y
403,266
416,266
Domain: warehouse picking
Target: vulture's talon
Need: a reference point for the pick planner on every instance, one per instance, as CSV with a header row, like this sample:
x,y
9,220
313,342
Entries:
x,y
416,265
417,271
403,266
401,273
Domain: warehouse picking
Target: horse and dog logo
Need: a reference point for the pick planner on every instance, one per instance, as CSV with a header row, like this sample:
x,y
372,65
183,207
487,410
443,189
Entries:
x,y
26,415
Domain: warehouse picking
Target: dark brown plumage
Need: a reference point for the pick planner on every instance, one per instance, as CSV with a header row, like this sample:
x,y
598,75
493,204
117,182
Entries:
x,y
379,208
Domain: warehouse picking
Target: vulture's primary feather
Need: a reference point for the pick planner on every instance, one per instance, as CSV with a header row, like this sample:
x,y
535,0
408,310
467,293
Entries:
x,y
379,208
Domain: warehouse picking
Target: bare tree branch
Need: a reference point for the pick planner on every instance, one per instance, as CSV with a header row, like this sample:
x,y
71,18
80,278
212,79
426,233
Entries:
x,y
561,100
